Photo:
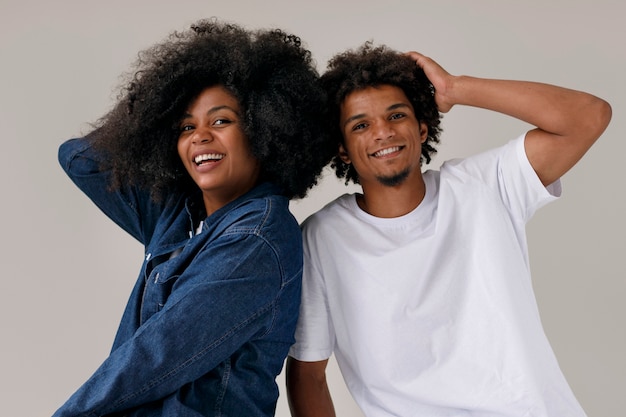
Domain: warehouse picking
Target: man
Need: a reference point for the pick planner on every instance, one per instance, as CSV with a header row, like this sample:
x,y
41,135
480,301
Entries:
x,y
421,285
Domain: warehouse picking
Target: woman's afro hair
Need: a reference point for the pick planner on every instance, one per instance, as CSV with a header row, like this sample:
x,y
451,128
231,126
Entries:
x,y
269,72
370,66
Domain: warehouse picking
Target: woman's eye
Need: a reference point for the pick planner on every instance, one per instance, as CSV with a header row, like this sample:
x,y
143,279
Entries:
x,y
186,128
222,121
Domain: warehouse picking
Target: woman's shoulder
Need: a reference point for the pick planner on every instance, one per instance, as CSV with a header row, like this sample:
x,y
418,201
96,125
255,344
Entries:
x,y
261,211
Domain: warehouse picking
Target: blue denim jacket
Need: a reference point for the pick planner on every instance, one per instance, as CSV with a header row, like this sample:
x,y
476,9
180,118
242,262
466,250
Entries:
x,y
205,332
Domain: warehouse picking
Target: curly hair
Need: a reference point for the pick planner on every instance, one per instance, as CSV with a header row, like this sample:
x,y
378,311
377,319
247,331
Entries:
x,y
370,66
270,74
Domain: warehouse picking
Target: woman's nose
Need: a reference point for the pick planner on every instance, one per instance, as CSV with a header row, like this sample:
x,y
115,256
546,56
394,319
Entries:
x,y
201,136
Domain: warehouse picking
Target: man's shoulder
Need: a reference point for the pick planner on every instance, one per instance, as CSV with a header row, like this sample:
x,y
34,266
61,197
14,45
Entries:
x,y
330,213
334,207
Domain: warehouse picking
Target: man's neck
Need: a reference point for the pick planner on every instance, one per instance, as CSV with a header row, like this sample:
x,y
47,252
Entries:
x,y
384,201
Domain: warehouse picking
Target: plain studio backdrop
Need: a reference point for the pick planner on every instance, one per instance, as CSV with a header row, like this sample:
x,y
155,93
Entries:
x,y
67,270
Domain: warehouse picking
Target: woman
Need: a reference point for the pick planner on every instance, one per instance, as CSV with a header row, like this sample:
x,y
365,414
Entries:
x,y
216,130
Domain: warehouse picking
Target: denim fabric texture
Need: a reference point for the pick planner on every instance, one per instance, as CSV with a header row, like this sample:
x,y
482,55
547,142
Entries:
x,y
212,315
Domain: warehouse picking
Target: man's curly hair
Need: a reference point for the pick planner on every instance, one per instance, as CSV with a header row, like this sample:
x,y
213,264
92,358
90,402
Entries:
x,y
269,72
370,66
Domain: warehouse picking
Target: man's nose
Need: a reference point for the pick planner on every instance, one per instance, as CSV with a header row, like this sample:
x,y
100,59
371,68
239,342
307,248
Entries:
x,y
384,130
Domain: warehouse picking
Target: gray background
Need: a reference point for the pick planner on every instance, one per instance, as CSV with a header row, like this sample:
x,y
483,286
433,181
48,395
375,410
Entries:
x,y
67,270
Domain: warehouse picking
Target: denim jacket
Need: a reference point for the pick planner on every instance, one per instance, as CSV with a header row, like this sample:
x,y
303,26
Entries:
x,y
212,315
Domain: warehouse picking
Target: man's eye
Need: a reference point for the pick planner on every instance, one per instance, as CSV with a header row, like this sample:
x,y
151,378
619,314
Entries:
x,y
359,126
397,116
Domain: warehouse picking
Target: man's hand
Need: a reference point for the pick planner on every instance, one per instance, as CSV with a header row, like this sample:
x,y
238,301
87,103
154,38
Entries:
x,y
439,78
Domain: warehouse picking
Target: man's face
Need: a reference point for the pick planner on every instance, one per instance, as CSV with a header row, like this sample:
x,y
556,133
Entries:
x,y
383,138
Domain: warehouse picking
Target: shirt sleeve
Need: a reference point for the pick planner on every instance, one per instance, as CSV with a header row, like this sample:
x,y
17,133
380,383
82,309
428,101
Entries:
x,y
214,308
315,337
520,187
507,170
130,208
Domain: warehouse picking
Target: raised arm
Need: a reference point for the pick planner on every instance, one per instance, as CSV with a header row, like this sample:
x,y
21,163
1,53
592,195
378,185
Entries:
x,y
129,207
307,390
567,121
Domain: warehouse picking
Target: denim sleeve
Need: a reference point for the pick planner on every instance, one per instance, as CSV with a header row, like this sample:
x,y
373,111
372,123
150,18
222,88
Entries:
x,y
130,209
214,308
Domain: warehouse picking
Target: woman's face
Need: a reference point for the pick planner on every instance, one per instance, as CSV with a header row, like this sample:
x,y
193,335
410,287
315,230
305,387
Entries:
x,y
214,149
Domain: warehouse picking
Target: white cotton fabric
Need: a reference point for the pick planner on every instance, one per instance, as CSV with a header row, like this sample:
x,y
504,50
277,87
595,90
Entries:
x,y
433,313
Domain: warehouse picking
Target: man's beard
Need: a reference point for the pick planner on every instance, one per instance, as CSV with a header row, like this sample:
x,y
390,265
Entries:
x,y
395,179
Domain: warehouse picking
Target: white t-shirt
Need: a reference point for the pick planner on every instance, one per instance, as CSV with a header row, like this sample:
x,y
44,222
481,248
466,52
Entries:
x,y
433,313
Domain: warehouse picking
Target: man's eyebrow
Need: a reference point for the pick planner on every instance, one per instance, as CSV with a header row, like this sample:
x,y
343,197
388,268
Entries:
x,y
397,106
362,115
353,118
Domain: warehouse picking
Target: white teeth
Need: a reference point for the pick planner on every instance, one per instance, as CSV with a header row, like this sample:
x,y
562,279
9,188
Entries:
x,y
387,151
208,157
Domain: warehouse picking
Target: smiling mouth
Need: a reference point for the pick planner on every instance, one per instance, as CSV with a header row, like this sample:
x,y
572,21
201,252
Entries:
x,y
386,151
208,158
